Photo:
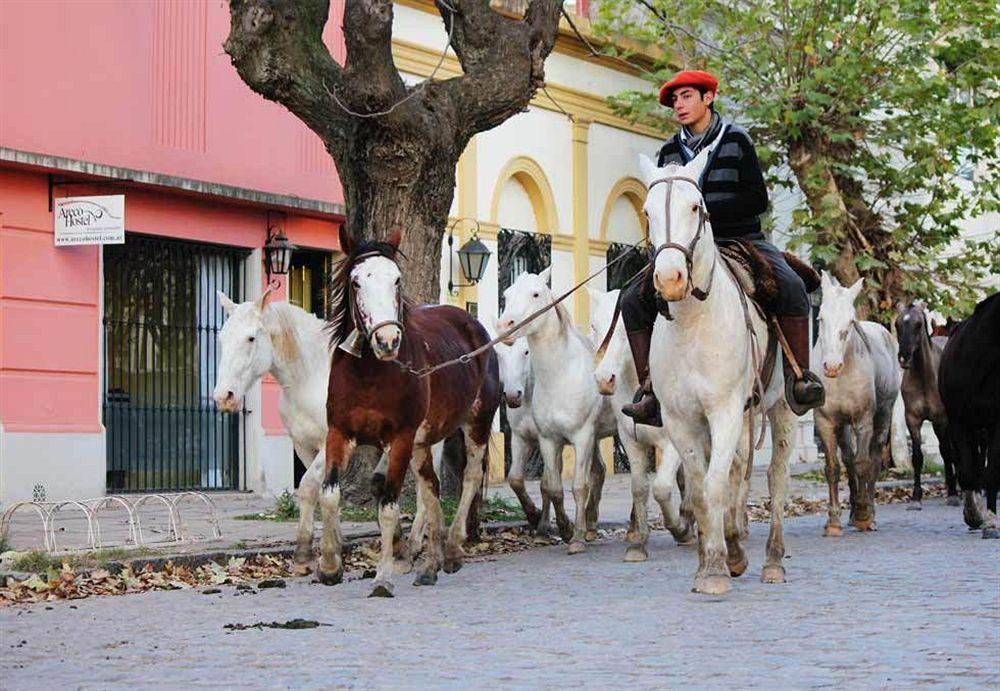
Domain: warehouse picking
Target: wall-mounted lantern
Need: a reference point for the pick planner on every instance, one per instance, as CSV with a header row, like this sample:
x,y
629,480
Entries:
x,y
277,253
473,257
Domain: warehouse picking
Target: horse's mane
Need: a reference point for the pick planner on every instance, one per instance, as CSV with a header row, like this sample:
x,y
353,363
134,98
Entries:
x,y
340,321
287,333
569,329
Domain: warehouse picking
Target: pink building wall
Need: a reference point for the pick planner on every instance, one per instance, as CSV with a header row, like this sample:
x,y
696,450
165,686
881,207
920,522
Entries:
x,y
145,85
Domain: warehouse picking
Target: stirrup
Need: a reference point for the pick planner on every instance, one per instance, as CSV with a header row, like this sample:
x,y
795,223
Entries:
x,y
634,410
802,407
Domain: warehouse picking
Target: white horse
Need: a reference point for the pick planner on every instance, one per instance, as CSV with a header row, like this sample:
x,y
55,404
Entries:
x,y
277,337
617,378
260,337
702,367
518,384
565,404
861,376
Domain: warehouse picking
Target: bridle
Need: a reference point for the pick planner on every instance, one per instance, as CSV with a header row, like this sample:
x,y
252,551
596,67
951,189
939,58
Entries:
x,y
689,249
358,317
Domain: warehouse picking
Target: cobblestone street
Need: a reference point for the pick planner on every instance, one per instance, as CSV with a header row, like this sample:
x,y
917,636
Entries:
x,y
918,602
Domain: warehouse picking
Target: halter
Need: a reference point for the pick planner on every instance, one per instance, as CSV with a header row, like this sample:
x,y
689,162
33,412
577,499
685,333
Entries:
x,y
686,250
359,322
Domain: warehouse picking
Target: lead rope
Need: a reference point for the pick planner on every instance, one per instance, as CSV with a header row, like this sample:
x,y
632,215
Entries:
x,y
467,357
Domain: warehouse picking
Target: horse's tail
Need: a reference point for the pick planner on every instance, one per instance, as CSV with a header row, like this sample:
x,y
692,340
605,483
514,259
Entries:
x,y
898,446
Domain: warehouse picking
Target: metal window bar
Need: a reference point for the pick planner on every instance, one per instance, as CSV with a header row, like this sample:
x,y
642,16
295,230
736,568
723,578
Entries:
x,y
161,322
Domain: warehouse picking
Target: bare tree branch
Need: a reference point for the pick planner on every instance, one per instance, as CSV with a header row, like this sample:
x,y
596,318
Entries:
x,y
277,48
371,79
502,58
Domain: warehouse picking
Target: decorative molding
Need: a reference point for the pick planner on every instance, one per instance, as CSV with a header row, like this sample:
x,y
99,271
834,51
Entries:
x,y
416,59
567,41
598,247
531,176
635,192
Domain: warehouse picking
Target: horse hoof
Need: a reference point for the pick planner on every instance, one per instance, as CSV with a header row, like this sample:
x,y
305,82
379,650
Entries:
x,y
833,531
712,585
635,553
542,529
590,535
302,569
773,573
533,517
915,505
864,526
383,589
738,567
576,547
331,577
973,519
566,534
953,500
630,536
452,565
426,578
991,534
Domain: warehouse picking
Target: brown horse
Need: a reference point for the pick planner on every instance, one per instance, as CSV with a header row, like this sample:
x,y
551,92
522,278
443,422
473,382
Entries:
x,y
380,403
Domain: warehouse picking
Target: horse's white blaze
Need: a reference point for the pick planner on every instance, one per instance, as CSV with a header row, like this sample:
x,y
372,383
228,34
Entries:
x,y
376,288
836,317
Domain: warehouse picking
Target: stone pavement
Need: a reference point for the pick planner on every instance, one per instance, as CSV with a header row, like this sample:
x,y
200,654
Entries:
x,y
916,603
616,505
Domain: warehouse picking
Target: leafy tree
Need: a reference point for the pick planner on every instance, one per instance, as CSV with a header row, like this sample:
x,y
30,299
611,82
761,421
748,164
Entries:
x,y
874,110
395,146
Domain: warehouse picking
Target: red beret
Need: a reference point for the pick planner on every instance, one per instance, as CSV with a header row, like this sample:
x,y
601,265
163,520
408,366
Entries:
x,y
687,78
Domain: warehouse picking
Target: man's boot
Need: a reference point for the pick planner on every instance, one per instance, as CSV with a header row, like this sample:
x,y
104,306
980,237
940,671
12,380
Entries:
x,y
806,393
645,409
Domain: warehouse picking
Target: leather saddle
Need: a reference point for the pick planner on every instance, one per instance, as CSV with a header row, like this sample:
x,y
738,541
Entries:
x,y
756,278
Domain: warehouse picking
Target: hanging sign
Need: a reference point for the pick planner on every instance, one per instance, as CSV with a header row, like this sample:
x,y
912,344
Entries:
x,y
90,220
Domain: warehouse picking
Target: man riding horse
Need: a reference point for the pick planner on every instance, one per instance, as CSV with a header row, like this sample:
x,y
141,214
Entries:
x,y
735,195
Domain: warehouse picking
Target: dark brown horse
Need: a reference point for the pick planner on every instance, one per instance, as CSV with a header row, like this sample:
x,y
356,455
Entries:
x,y
969,381
382,404
920,358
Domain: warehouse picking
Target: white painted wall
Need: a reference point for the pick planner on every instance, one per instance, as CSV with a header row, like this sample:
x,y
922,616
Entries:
x,y
540,135
515,209
67,466
624,224
612,154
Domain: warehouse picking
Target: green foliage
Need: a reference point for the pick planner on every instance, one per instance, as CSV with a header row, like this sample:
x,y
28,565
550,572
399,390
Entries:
x,y
878,112
285,507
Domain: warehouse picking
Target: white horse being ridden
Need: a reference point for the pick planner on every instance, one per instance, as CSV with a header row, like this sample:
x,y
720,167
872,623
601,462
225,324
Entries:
x,y
518,383
861,377
617,378
702,370
277,337
565,404
260,337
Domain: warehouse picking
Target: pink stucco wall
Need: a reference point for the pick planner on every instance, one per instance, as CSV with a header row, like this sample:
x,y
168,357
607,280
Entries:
x,y
145,84
141,84
50,298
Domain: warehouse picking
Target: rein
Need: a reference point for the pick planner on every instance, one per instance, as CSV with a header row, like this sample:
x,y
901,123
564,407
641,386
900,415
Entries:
x,y
468,357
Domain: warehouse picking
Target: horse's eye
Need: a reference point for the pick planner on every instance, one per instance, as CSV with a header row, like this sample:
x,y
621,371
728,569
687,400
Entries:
x,y
694,208
251,339
535,295
355,283
526,352
397,280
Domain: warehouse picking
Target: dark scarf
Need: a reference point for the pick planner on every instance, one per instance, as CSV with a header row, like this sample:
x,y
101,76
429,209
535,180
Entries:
x,y
697,142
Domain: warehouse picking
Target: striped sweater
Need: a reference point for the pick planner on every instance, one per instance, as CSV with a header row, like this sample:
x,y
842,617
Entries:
x,y
732,184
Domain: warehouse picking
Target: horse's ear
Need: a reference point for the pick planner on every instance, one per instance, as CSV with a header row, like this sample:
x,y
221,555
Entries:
x,y
395,237
546,275
262,300
347,243
855,289
647,168
228,306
